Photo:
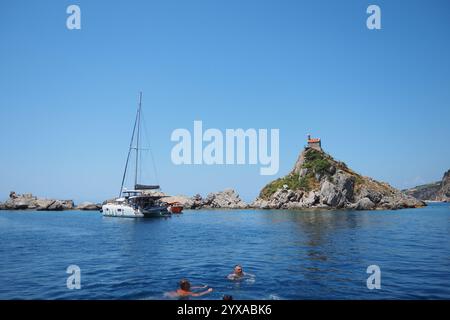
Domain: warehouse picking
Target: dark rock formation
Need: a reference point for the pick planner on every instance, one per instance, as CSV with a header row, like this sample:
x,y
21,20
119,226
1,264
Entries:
x,y
319,181
437,191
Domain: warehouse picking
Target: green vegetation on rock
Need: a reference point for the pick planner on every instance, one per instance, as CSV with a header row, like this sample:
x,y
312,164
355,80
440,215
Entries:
x,y
318,180
316,161
291,180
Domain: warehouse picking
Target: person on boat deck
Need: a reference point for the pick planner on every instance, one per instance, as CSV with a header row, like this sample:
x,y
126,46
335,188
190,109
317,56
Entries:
x,y
185,290
238,273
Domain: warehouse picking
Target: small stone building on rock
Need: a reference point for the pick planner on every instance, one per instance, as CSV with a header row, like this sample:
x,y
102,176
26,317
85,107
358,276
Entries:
x,y
314,143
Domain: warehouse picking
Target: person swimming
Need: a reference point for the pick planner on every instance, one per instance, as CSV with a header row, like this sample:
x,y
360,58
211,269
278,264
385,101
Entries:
x,y
185,290
238,273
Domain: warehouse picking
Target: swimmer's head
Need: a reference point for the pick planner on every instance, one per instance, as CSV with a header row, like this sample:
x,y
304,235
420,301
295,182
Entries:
x,y
185,285
238,270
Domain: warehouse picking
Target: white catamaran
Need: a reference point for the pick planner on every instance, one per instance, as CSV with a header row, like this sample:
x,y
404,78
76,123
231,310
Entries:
x,y
139,202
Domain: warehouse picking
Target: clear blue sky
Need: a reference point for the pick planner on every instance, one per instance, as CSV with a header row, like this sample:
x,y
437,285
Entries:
x,y
380,100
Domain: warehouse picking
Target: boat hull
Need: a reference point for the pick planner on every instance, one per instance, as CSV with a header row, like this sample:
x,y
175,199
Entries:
x,y
156,212
126,211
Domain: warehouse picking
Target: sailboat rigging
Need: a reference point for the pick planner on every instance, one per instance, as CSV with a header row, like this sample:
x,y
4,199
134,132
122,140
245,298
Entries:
x,y
137,202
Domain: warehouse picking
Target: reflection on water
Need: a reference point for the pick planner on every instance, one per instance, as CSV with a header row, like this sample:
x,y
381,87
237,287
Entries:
x,y
293,255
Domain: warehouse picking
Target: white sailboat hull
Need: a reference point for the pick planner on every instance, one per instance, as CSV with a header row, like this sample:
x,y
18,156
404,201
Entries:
x,y
120,210
127,211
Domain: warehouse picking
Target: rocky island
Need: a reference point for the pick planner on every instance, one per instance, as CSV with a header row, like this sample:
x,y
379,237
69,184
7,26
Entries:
x,y
319,181
28,201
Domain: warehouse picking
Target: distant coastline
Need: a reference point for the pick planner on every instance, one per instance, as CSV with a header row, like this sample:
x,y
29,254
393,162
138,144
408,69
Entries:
x,y
437,191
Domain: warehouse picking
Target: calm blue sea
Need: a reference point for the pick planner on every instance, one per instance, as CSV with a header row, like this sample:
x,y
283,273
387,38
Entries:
x,y
294,255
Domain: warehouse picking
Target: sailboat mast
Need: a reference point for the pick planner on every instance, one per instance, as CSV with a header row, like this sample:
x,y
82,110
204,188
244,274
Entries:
x,y
129,152
137,139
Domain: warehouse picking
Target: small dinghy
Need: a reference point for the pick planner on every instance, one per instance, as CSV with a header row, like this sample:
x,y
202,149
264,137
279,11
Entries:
x,y
175,207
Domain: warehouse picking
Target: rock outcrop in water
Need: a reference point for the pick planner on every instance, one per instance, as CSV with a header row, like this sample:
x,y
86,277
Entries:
x,y
437,191
27,201
88,206
227,199
319,181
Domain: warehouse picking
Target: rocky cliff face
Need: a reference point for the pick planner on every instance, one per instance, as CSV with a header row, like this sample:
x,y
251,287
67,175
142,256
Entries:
x,y
319,181
437,191
426,192
444,192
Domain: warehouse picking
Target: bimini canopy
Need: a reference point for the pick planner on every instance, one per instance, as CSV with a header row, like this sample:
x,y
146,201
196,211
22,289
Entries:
x,y
145,187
